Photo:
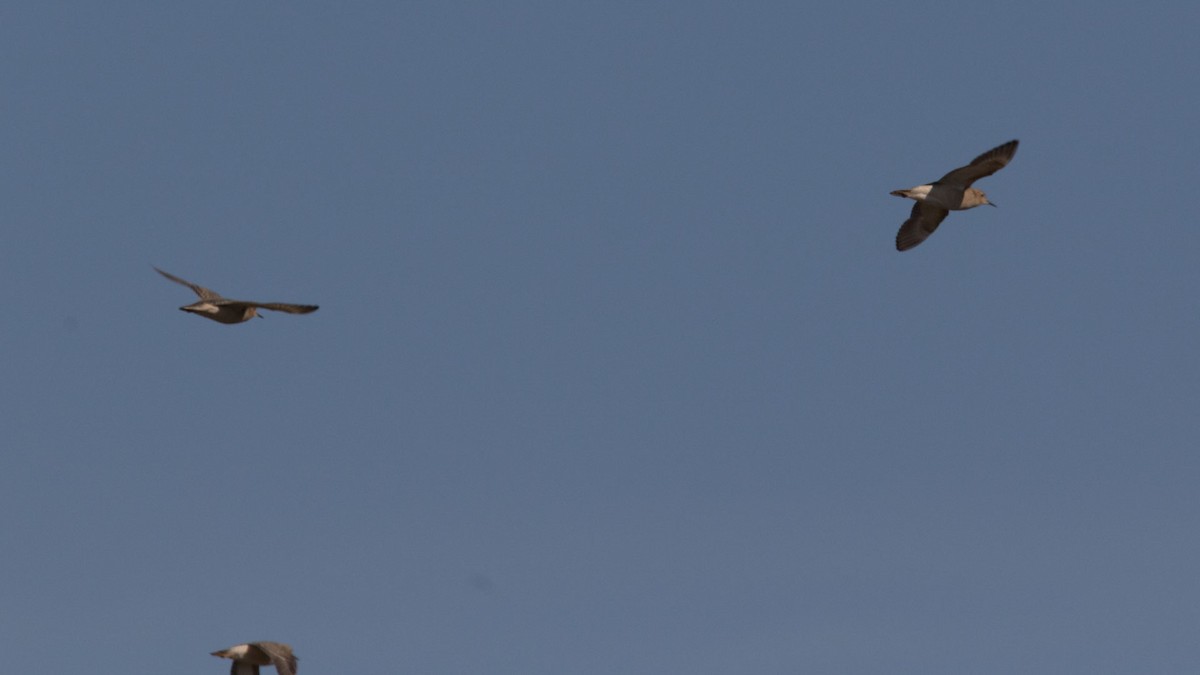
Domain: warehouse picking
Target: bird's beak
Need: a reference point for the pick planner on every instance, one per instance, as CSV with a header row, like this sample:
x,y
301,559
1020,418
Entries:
x,y
991,204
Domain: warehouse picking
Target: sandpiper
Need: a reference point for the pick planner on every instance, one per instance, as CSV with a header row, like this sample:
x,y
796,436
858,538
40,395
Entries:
x,y
225,310
248,657
952,192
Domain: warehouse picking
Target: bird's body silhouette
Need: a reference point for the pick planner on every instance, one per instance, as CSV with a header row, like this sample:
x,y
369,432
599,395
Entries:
x,y
249,656
226,310
952,192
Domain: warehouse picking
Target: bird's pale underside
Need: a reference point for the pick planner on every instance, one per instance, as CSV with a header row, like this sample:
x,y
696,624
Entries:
x,y
249,656
226,310
952,192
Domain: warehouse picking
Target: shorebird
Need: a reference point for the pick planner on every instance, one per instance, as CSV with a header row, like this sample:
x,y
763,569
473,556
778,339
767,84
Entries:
x,y
248,657
226,310
952,192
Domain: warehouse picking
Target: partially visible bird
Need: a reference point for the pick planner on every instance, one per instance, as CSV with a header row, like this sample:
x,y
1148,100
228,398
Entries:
x,y
248,657
226,310
952,192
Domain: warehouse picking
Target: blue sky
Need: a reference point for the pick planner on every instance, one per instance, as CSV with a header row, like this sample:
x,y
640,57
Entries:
x,y
616,368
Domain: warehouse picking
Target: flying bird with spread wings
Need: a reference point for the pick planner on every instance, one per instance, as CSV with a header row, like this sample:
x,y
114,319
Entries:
x,y
952,192
226,310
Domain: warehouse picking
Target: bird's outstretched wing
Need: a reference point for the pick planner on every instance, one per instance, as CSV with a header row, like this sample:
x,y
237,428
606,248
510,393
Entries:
x,y
204,293
281,657
285,307
924,219
243,668
984,165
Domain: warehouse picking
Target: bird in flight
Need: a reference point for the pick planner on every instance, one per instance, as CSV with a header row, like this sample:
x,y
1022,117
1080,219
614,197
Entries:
x,y
225,310
248,657
952,192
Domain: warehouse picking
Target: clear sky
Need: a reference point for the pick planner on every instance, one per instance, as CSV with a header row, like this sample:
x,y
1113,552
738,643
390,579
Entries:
x,y
617,369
